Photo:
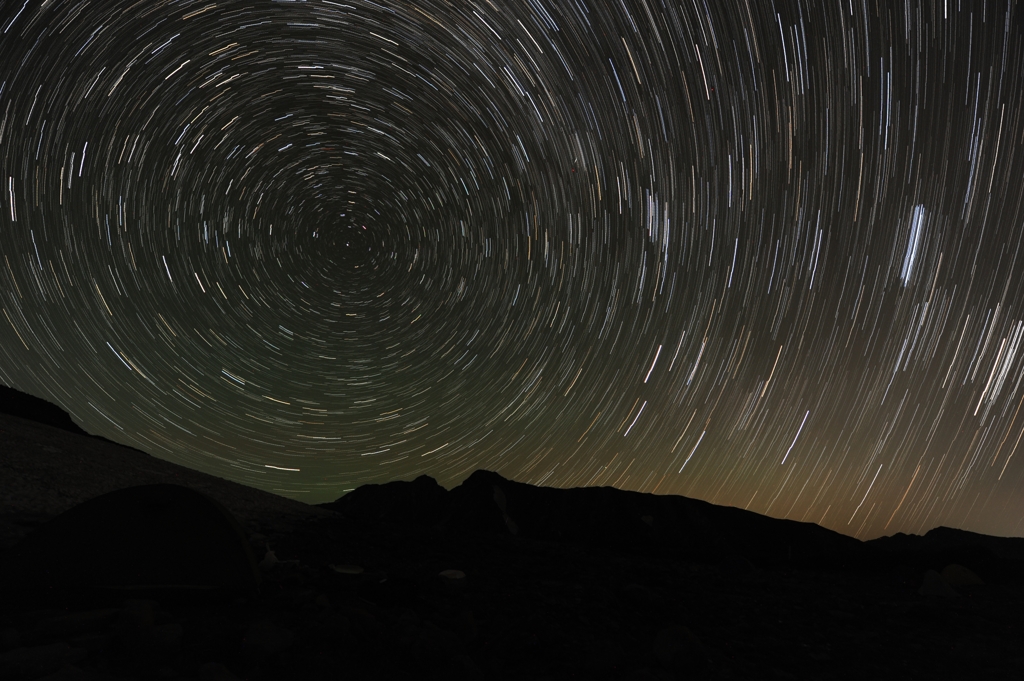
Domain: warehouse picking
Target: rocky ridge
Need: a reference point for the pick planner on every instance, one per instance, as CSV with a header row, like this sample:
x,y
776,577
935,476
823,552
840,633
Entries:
x,y
500,580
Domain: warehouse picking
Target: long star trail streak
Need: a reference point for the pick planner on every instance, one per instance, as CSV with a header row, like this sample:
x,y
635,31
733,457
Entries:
x,y
309,246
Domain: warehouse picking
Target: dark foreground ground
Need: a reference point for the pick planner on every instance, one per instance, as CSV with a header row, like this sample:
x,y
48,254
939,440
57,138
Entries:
x,y
526,610
498,580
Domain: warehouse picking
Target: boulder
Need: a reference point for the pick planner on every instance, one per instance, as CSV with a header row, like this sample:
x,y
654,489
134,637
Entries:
x,y
935,585
957,576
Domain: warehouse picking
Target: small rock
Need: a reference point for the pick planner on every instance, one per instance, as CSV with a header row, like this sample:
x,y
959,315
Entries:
x,y
935,585
269,561
347,569
957,575
453,581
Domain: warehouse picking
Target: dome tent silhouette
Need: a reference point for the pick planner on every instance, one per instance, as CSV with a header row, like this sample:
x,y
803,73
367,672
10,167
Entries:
x,y
136,541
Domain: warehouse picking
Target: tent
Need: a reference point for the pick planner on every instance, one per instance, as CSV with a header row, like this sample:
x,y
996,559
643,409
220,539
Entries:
x,y
145,540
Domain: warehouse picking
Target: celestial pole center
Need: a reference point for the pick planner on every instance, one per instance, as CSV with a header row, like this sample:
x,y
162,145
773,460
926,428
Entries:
x,y
762,254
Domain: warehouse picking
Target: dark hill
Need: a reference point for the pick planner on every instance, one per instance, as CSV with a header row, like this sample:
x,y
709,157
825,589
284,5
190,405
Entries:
x,y
661,526
492,580
25,406
945,538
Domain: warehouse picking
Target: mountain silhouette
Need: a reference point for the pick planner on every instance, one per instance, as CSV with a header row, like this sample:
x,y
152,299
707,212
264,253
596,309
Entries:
x,y
25,406
492,579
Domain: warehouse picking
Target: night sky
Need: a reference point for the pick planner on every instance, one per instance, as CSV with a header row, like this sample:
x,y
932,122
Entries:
x,y
767,255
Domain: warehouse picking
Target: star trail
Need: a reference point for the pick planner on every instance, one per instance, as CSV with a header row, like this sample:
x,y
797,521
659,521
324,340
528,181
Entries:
x,y
763,254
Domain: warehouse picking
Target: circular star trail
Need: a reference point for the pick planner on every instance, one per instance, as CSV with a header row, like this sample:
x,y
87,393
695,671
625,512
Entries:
x,y
764,255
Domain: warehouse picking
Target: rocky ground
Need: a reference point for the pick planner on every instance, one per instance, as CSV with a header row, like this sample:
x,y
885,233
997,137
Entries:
x,y
350,600
497,580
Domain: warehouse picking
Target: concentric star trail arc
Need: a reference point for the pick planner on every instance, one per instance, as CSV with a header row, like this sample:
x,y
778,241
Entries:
x,y
313,245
